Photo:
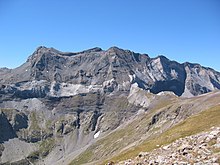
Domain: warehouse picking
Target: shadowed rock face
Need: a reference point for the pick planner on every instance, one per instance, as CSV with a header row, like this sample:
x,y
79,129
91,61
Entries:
x,y
11,121
172,85
174,76
6,129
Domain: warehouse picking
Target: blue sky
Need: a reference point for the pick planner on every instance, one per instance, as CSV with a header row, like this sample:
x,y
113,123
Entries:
x,y
182,30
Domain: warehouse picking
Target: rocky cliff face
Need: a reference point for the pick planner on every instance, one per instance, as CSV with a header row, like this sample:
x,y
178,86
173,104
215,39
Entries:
x,y
65,101
49,72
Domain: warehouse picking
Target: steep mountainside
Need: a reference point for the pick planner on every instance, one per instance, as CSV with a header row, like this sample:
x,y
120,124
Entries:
x,y
52,73
58,105
167,119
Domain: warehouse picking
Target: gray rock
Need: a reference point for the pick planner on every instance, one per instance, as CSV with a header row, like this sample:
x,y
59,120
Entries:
x,y
110,69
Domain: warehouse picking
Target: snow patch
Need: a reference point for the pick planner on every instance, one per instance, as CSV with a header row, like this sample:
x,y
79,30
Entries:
x,y
97,135
132,77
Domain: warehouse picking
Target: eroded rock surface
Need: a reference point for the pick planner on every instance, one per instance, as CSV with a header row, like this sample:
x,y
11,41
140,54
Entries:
x,y
51,73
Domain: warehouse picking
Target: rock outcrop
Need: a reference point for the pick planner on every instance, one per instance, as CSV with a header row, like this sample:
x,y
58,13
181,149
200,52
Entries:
x,y
197,149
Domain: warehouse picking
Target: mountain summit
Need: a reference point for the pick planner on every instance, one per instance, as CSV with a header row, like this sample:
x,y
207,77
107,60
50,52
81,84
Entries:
x,y
113,70
62,107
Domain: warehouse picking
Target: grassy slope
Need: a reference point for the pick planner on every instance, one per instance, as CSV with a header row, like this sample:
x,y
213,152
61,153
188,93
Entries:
x,y
119,142
194,124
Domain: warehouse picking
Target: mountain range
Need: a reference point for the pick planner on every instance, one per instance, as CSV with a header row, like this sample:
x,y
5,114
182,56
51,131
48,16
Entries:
x,y
97,106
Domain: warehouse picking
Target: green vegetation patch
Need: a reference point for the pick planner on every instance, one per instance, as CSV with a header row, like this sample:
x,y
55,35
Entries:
x,y
45,147
193,125
85,157
34,123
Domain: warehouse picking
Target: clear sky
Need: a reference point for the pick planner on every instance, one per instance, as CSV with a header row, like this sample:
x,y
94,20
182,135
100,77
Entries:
x,y
182,30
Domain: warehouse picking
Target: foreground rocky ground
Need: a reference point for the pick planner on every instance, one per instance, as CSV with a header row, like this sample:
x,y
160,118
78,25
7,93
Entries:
x,y
203,148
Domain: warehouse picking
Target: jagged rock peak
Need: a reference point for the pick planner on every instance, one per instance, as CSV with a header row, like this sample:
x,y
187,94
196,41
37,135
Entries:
x,y
124,52
117,50
162,57
114,48
95,49
195,65
52,51
43,49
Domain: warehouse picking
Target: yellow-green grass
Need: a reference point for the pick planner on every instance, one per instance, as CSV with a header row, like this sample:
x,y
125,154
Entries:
x,y
193,125
34,122
83,158
45,148
216,150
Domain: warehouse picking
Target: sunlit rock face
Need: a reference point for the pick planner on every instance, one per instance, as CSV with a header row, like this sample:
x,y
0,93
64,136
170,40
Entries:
x,y
51,73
